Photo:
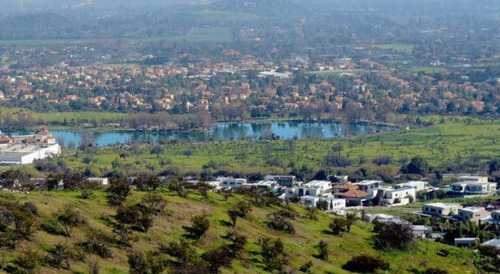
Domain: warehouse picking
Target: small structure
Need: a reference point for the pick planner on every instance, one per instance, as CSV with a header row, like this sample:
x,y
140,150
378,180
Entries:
x,y
314,188
494,242
101,182
371,187
422,231
494,217
466,242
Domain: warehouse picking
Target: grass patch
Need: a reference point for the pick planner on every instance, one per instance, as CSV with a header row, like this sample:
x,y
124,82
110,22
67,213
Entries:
x,y
427,70
400,48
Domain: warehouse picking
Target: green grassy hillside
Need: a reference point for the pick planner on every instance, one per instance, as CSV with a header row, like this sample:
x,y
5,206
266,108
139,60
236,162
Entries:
x,y
168,227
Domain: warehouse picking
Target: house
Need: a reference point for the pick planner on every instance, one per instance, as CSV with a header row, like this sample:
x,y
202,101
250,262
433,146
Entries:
x,y
353,197
494,218
264,185
439,209
371,187
334,204
417,185
283,180
473,186
231,183
466,242
101,182
473,214
400,196
381,218
314,188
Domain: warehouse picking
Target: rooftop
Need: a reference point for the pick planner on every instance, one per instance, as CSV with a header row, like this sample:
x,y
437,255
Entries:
x,y
494,242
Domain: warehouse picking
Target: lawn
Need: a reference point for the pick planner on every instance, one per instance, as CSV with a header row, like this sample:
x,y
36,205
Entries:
x,y
400,48
427,70
329,73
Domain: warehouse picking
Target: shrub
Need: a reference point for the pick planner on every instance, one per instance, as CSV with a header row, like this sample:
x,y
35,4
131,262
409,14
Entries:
x,y
306,267
338,226
365,264
242,208
322,250
182,251
435,271
311,213
280,223
58,257
216,258
96,242
154,203
395,236
236,245
137,263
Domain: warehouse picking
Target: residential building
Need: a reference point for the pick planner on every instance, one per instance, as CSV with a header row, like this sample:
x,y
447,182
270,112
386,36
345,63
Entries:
x,y
417,185
473,214
283,180
314,188
422,231
231,183
400,196
439,209
334,204
473,186
494,217
371,187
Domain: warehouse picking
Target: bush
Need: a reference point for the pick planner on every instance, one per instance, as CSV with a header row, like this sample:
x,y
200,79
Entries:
x,y
322,250
395,236
338,226
97,243
137,263
280,223
154,203
435,271
118,191
365,264
216,258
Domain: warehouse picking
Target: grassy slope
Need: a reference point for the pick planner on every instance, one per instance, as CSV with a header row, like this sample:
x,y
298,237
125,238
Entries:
x,y
300,246
440,143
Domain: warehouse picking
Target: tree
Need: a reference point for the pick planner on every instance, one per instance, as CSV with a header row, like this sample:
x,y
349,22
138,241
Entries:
x,y
395,236
118,191
199,225
233,215
417,165
154,203
86,141
216,258
351,218
278,222
273,253
338,226
157,150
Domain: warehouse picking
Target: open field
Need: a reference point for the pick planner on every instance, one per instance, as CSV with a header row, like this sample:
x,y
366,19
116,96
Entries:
x,y
168,227
401,48
449,140
427,70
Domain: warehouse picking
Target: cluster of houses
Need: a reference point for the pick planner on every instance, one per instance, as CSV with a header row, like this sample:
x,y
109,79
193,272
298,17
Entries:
x,y
339,193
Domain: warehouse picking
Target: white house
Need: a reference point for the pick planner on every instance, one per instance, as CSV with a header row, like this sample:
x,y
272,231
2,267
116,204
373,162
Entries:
x,y
400,196
422,231
231,183
314,188
473,214
371,187
440,209
334,204
473,186
494,217
417,185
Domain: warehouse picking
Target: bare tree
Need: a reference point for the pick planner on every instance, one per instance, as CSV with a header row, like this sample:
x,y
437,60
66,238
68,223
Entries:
x,y
86,141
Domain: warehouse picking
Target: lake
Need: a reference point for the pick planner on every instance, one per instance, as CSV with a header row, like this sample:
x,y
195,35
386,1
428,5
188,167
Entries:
x,y
232,131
